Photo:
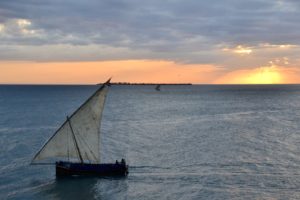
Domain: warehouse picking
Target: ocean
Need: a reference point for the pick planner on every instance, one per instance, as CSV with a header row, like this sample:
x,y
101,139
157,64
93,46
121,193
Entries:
x,y
184,142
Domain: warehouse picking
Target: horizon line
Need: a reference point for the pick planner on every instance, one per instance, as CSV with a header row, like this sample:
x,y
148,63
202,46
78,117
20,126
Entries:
x,y
133,83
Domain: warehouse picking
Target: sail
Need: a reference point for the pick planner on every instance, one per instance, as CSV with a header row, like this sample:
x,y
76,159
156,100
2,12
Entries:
x,y
79,136
157,88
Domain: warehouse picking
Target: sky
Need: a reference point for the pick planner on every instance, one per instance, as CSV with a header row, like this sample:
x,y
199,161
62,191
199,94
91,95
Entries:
x,y
170,41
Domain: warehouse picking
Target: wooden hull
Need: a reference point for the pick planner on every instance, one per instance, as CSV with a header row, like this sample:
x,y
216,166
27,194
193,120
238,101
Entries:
x,y
69,169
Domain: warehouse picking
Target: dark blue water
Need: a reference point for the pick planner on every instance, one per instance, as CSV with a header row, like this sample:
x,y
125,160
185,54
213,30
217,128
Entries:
x,y
184,142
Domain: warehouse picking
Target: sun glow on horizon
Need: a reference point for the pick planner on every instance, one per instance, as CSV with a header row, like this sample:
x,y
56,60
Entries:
x,y
142,71
262,75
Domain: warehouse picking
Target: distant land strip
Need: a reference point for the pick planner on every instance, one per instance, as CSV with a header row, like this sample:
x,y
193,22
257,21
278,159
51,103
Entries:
x,y
127,83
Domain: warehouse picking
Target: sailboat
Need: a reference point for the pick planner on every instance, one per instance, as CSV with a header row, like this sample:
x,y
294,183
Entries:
x,y
75,146
157,88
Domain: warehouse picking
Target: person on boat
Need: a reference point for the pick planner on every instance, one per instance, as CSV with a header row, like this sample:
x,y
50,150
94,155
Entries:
x,y
123,161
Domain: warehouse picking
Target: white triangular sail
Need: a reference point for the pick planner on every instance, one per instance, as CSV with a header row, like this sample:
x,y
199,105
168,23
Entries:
x,y
81,132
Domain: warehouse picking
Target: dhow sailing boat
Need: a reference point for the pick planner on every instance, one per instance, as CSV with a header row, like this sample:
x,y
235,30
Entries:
x,y
75,146
157,88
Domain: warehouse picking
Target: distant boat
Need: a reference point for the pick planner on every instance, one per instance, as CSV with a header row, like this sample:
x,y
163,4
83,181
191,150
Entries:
x,y
157,88
75,146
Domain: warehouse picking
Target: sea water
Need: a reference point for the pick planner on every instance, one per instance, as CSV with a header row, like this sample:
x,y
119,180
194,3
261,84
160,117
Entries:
x,y
183,142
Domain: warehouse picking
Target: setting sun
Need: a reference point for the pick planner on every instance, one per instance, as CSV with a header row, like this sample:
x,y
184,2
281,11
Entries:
x,y
264,75
261,75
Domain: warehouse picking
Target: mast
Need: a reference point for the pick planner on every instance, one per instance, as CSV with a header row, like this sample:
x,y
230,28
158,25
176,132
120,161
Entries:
x,y
75,141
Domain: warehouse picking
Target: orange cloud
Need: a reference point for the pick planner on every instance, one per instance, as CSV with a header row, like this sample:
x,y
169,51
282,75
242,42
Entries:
x,y
95,72
144,71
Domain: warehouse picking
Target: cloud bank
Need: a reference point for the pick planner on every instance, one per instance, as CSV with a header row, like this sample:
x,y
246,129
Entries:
x,y
228,33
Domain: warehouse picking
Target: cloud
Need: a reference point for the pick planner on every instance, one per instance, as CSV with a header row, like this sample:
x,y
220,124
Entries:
x,y
143,71
186,31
